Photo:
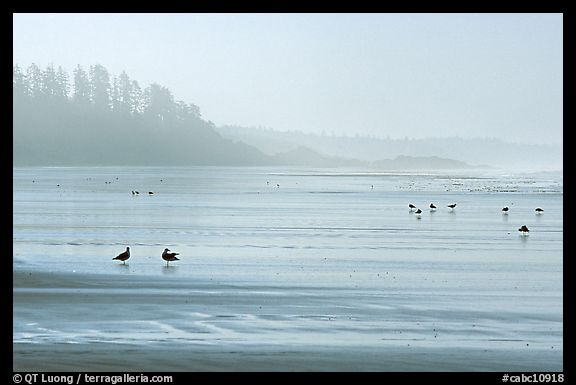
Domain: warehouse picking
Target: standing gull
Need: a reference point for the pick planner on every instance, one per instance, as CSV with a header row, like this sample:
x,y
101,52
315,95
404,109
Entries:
x,y
523,230
505,210
539,210
123,256
452,206
432,207
411,206
418,213
168,256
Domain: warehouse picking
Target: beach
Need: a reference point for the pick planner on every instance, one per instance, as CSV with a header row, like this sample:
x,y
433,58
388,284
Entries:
x,y
320,274
145,324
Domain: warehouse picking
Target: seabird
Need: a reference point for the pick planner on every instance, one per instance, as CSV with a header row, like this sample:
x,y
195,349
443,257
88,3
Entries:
x,y
452,206
418,213
412,207
150,192
432,207
505,210
168,256
539,210
524,230
123,256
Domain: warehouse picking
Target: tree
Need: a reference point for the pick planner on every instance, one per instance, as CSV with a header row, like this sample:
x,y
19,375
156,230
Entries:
x,y
184,111
49,83
115,94
136,99
34,76
100,87
62,84
126,94
159,103
81,86
20,87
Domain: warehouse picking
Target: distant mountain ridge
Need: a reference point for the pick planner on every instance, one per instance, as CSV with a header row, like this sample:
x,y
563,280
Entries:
x,y
110,121
480,151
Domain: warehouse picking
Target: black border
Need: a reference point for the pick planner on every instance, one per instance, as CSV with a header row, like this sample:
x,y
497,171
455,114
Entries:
x,y
416,6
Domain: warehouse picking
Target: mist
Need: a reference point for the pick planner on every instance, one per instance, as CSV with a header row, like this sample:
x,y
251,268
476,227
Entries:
x,y
394,76
343,192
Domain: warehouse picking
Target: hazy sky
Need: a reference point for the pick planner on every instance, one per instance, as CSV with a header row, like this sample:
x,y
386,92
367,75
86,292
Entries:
x,y
397,75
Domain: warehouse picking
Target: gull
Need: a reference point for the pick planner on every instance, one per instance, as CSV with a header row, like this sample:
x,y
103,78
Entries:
x,y
452,206
168,256
505,210
432,207
539,210
123,256
524,230
412,207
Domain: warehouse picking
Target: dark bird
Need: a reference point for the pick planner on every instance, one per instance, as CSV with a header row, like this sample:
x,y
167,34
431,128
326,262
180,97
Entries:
x,y
412,207
133,193
150,192
418,213
169,257
505,210
137,192
524,230
539,210
123,256
452,206
432,206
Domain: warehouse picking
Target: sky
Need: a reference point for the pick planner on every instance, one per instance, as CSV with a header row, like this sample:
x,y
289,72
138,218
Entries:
x,y
387,75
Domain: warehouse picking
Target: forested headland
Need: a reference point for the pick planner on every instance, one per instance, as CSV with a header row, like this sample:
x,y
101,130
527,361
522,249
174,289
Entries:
x,y
91,117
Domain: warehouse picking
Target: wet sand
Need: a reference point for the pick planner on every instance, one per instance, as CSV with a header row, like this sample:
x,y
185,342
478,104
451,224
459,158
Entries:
x,y
90,322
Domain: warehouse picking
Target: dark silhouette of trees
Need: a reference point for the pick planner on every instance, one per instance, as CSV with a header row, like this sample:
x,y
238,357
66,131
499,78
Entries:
x,y
81,86
20,87
100,89
34,80
107,119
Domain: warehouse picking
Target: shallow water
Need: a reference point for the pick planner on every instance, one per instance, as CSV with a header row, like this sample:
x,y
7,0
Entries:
x,y
325,259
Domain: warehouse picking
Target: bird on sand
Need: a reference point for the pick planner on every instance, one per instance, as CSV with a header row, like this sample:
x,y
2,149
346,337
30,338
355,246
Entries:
x,y
432,207
411,206
539,210
524,230
123,256
452,206
505,210
418,213
169,256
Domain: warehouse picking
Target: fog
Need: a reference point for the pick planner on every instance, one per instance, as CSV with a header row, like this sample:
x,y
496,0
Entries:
x,y
395,77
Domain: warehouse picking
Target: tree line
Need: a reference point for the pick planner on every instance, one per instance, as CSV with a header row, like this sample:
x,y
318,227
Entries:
x,y
90,117
97,89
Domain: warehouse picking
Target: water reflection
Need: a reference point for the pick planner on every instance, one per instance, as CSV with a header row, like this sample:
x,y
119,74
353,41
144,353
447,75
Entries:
x,y
169,269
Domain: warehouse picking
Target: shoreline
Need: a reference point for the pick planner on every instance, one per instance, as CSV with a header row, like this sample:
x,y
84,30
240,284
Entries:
x,y
91,322
194,358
